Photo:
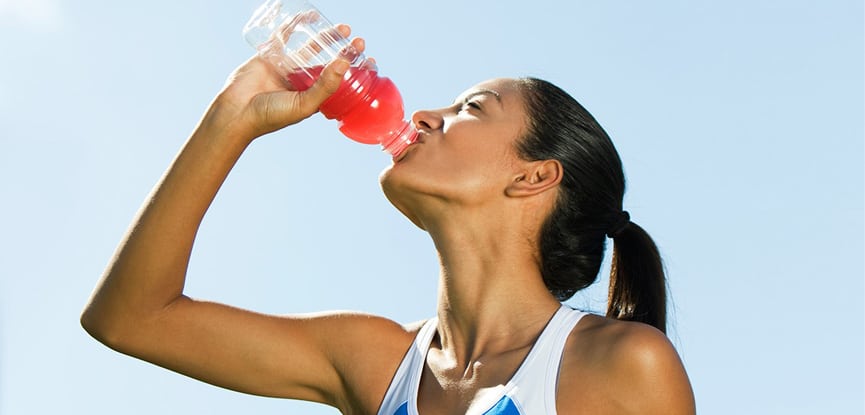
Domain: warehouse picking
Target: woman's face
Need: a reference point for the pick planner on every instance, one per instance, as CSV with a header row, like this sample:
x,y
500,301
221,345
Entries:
x,y
465,154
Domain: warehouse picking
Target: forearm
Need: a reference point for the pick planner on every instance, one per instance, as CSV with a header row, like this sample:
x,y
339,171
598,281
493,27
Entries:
x,y
148,270
147,273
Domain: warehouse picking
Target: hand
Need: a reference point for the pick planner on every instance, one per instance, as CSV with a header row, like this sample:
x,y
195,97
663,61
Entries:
x,y
255,100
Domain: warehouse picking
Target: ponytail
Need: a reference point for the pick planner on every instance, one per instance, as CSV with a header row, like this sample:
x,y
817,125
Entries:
x,y
638,289
588,208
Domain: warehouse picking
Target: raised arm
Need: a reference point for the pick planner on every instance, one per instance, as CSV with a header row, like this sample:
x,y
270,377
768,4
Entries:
x,y
139,308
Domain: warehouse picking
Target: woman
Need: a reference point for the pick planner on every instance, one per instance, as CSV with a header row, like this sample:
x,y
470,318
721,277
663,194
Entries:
x,y
517,185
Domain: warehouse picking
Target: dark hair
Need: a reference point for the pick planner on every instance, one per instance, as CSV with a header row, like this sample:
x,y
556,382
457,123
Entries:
x,y
588,205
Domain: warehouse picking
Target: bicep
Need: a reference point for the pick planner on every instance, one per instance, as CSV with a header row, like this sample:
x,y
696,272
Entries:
x,y
280,356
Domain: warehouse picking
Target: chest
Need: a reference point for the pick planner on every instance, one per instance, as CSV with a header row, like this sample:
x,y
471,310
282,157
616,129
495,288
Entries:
x,y
512,386
481,389
522,381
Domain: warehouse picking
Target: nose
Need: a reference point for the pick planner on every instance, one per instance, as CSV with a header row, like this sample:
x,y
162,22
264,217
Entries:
x,y
427,120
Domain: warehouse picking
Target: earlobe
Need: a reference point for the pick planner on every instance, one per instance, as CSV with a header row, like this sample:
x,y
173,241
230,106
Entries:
x,y
538,177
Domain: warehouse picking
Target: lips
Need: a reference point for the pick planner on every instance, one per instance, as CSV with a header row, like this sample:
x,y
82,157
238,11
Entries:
x,y
419,140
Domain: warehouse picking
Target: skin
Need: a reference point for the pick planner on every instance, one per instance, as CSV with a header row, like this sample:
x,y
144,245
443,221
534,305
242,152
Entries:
x,y
464,184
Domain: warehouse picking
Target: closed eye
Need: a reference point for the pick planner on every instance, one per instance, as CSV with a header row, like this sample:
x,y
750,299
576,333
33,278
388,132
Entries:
x,y
471,101
470,104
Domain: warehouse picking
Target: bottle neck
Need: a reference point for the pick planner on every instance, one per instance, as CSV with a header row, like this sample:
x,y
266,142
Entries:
x,y
400,139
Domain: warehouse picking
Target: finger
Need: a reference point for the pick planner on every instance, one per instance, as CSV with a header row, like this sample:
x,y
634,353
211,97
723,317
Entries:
x,y
324,86
344,30
371,65
359,44
331,77
353,50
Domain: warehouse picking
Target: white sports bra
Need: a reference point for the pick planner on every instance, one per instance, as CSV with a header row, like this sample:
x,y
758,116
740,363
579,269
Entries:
x,y
531,391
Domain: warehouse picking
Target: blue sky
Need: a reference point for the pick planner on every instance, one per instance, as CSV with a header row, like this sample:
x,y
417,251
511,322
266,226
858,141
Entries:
x,y
740,124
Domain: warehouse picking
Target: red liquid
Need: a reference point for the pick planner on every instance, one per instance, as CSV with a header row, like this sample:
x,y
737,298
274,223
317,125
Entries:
x,y
368,107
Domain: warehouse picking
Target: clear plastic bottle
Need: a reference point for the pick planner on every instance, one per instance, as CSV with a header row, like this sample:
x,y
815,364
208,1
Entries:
x,y
299,41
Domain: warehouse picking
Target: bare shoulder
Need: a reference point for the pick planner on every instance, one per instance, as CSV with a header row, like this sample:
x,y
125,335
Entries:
x,y
623,367
624,344
368,362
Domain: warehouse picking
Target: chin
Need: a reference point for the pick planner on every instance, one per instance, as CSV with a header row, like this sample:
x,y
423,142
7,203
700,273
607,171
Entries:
x,y
399,195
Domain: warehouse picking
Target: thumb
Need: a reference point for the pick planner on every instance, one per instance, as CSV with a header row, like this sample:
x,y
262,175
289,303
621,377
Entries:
x,y
326,84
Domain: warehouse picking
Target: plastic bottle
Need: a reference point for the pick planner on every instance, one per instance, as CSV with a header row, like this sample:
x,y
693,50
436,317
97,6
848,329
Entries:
x,y
299,41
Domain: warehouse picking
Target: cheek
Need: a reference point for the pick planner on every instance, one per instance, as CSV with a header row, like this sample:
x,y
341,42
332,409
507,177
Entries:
x,y
478,173
463,170
434,177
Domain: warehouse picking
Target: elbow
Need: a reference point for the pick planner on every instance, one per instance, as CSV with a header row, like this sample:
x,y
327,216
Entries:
x,y
121,328
92,323
99,325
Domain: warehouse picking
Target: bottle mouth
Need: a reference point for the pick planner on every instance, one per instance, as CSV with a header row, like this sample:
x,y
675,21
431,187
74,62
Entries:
x,y
400,140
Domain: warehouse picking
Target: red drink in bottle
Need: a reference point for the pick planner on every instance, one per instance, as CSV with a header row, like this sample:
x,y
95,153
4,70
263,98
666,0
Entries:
x,y
299,41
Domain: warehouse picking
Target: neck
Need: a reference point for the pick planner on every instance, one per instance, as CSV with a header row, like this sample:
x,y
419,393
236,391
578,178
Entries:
x,y
491,294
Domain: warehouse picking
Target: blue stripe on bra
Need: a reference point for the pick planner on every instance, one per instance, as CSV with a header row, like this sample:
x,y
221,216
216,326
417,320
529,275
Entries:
x,y
505,406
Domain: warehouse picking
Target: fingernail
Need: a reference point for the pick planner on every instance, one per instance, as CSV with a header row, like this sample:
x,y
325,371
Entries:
x,y
340,66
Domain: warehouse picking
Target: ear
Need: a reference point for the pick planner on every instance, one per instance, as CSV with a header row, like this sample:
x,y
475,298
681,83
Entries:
x,y
537,177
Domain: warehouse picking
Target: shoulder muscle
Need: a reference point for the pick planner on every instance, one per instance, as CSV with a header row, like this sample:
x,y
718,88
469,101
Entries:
x,y
637,368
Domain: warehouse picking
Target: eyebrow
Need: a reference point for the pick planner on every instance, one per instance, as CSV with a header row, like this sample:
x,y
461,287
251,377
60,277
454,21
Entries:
x,y
475,93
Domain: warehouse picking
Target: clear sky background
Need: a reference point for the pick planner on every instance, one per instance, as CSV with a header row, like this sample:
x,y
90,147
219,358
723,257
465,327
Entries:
x,y
740,124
